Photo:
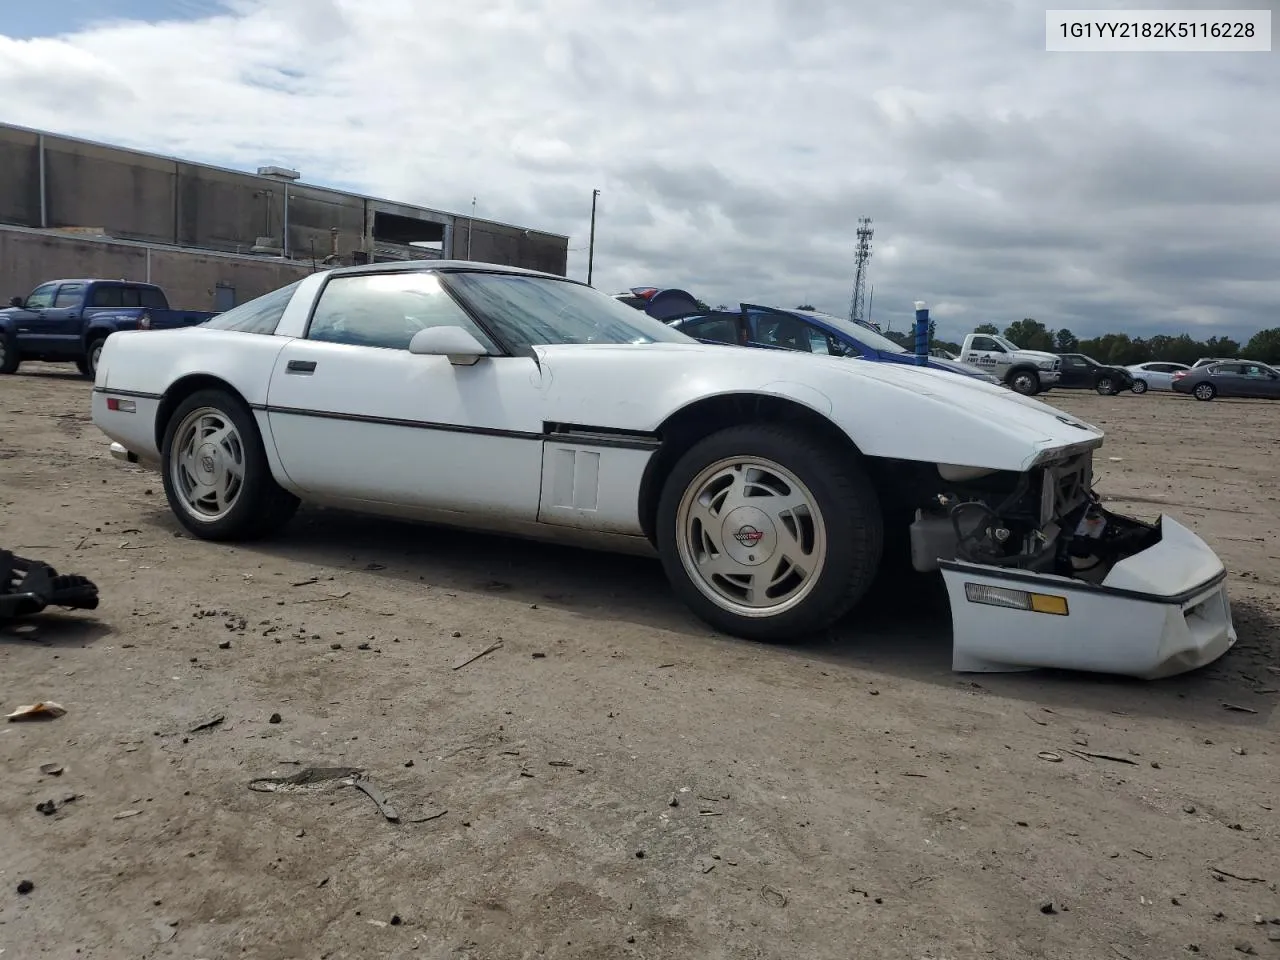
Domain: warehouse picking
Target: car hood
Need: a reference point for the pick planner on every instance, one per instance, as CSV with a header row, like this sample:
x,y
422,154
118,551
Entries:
x,y
889,410
1038,355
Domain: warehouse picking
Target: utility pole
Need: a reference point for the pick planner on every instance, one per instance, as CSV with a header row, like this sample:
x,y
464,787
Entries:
x,y
469,225
591,246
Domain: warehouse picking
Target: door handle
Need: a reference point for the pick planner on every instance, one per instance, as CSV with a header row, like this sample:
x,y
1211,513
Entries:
x,y
300,366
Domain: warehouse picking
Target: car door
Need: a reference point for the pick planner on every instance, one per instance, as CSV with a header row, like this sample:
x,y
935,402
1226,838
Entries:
x,y
1228,379
1076,372
31,329
986,353
1256,381
354,415
61,321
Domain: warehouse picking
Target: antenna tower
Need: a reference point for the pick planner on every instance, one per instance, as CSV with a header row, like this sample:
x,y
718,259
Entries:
x,y
861,257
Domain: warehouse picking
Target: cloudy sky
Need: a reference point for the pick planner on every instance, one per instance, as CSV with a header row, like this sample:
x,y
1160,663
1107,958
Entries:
x,y
735,142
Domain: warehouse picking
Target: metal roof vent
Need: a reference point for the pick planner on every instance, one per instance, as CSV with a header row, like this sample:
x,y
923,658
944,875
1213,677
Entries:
x,y
279,173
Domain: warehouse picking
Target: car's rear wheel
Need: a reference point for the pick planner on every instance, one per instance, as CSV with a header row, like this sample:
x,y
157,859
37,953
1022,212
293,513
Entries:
x,y
216,475
1025,382
1139,386
1107,387
92,356
769,533
1205,391
9,356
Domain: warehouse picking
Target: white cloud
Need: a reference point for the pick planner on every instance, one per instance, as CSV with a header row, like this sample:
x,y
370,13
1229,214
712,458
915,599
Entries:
x,y
736,143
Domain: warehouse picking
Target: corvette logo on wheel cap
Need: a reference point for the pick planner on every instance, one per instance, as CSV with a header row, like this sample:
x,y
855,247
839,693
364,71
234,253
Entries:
x,y
206,462
748,536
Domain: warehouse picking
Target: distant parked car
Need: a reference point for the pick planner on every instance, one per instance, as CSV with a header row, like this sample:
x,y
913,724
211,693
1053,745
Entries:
x,y
1081,372
68,321
1231,378
659,303
808,331
1155,375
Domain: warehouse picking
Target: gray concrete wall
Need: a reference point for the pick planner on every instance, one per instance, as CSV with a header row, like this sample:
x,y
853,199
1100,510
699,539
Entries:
x,y
137,196
29,258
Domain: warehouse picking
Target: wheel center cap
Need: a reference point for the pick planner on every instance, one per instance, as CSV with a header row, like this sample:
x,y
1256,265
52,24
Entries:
x,y
749,536
207,461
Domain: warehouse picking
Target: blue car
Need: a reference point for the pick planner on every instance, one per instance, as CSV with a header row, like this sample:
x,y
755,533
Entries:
x,y
808,331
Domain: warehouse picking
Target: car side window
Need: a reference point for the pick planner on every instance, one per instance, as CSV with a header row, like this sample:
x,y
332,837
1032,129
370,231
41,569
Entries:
x,y
719,329
42,297
260,315
152,299
986,343
780,330
1253,370
386,310
106,295
819,342
69,295
1233,369
1073,362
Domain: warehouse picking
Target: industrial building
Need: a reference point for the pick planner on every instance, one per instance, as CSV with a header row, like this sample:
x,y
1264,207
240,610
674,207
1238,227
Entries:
x,y
213,237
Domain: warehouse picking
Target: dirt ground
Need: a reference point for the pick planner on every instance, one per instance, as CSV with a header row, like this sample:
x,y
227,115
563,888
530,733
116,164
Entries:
x,y
614,781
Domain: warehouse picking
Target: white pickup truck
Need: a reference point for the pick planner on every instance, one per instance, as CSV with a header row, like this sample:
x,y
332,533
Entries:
x,y
1027,372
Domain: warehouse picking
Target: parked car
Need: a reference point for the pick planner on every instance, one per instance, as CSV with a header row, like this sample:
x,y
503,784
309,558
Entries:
x,y
1154,375
806,331
1081,372
767,482
67,321
1205,361
662,304
1027,372
1232,378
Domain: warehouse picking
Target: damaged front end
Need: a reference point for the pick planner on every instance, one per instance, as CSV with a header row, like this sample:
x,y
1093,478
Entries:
x,y
1040,574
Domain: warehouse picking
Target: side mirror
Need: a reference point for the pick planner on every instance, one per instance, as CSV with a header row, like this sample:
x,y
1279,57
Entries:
x,y
15,302
462,349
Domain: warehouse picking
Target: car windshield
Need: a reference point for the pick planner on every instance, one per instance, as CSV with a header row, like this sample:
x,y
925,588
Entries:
x,y
528,311
856,332
1007,344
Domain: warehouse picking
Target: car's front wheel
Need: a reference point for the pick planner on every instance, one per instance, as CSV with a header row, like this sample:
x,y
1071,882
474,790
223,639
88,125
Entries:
x,y
216,475
1107,387
1025,382
1205,391
769,533
1139,386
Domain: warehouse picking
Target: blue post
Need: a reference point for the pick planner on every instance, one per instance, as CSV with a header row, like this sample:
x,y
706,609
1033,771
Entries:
x,y
922,334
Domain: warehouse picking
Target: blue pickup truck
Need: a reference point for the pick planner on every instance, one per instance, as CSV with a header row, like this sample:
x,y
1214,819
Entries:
x,y
67,321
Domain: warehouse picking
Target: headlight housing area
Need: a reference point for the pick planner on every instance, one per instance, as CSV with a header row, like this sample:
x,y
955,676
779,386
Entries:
x,y
1046,364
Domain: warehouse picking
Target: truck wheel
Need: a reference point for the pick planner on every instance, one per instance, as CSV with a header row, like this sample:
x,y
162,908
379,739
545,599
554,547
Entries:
x,y
1025,382
216,475
1106,387
768,533
9,357
1139,386
91,357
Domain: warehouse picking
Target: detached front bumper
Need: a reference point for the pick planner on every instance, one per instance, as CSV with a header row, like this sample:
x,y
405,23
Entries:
x,y
1160,612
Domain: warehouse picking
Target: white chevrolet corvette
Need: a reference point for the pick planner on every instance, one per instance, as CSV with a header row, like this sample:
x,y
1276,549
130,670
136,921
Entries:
x,y
771,484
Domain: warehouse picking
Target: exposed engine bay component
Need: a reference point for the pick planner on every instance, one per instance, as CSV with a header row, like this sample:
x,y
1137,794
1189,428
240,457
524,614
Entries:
x,y
29,586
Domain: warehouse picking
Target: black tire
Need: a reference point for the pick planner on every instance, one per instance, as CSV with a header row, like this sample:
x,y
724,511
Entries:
x,y
261,507
1106,387
1024,381
1139,387
90,360
1204,391
9,358
845,499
